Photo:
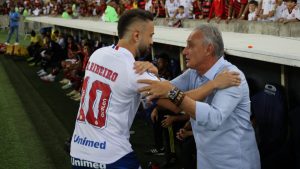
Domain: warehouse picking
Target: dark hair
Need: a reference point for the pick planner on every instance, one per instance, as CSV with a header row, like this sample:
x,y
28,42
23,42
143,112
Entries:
x,y
253,2
32,33
164,56
130,17
295,1
181,7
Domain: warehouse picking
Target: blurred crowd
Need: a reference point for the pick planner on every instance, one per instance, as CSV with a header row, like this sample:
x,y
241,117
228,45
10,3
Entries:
x,y
172,10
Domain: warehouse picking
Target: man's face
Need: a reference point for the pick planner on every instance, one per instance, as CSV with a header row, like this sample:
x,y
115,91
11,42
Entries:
x,y
290,5
252,7
196,51
145,40
181,10
161,64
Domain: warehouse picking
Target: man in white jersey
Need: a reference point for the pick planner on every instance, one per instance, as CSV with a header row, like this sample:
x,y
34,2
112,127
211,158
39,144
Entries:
x,y
110,98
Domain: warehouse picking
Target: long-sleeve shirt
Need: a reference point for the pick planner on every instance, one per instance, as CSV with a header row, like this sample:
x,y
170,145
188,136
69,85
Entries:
x,y
222,129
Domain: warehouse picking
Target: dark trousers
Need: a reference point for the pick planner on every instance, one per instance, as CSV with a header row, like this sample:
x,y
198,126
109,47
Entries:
x,y
12,29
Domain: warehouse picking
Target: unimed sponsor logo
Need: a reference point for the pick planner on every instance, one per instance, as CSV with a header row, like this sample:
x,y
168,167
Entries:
x,y
85,163
89,143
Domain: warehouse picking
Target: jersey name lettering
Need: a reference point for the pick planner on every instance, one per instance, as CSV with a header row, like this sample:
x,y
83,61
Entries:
x,y
102,71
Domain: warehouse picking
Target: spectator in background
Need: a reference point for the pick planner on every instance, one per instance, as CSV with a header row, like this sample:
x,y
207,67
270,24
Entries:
x,y
280,7
25,14
188,7
135,4
34,46
149,6
289,14
217,10
37,11
205,8
127,5
253,6
55,35
55,10
171,8
101,8
268,10
83,9
14,18
51,58
68,13
141,4
197,9
181,14
236,9
110,14
5,9
159,8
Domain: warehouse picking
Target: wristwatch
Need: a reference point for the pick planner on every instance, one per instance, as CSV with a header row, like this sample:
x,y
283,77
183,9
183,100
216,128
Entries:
x,y
172,94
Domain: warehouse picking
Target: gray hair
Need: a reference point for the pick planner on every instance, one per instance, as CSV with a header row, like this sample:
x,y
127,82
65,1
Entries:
x,y
212,35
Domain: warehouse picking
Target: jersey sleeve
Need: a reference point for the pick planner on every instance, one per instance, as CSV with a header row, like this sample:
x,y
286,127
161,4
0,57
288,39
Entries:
x,y
135,77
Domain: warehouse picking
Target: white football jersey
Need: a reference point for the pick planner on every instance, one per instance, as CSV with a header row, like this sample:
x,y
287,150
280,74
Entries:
x,y
287,15
108,106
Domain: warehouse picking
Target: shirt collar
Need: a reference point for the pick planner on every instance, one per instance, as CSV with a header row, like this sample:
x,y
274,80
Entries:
x,y
211,73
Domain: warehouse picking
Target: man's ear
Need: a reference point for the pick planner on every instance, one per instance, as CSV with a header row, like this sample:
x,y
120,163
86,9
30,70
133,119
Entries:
x,y
210,49
135,35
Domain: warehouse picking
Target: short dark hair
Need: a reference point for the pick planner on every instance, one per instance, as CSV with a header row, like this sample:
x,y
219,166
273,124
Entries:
x,y
32,33
130,17
164,56
253,2
181,7
295,1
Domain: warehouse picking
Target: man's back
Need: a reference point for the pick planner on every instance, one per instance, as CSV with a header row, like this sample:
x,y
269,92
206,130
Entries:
x,y
108,106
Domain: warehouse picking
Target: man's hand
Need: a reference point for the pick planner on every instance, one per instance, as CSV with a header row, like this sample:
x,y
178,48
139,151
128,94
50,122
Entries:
x,y
155,89
143,66
226,79
183,133
154,115
168,121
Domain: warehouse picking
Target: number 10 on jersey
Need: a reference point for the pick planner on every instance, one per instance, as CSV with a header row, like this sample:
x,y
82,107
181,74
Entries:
x,y
94,103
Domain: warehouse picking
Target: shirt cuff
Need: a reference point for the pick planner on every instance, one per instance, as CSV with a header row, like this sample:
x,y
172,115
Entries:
x,y
202,111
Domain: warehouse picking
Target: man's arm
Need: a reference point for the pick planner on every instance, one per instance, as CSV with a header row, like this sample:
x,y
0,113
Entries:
x,y
198,94
212,116
156,89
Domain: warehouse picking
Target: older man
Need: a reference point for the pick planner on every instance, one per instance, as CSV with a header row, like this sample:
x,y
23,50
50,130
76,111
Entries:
x,y
221,124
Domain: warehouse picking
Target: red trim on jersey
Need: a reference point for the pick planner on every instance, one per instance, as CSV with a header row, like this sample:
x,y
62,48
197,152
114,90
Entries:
x,y
116,47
